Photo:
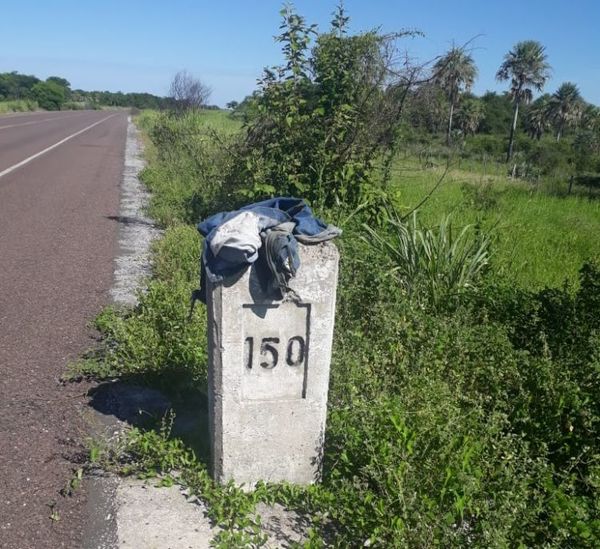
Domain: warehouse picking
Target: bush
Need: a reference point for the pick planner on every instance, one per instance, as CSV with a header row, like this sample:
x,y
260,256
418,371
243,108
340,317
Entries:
x,y
325,117
550,157
486,146
475,428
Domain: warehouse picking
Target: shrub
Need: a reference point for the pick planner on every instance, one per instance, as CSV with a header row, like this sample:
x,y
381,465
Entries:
x,y
325,116
486,146
549,156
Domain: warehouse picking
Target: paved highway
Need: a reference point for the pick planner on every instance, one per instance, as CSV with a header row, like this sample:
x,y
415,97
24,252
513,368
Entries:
x,y
59,195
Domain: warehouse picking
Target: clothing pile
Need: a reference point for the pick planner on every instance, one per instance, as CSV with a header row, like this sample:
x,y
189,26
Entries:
x,y
267,231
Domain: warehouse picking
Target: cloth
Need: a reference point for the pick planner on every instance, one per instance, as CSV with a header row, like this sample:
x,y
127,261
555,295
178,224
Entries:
x,y
281,253
234,240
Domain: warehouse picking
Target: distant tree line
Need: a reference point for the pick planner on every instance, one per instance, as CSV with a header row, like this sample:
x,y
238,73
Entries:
x,y
445,100
55,93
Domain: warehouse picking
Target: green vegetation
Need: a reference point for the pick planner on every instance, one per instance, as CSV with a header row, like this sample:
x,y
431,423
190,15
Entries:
x,y
18,105
540,235
443,262
463,404
55,94
49,95
455,72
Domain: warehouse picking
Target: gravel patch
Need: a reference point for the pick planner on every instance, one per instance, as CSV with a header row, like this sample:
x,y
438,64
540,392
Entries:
x,y
137,231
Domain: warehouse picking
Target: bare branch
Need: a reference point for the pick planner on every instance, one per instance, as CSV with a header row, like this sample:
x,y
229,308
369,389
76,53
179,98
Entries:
x,y
188,92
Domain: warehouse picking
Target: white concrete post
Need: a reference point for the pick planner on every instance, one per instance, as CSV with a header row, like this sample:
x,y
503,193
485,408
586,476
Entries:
x,y
269,373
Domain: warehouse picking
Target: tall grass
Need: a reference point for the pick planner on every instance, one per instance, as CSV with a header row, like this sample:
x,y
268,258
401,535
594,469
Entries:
x,y
18,105
202,120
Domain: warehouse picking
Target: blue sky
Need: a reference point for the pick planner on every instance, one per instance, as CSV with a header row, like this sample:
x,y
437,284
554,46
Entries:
x,y
134,45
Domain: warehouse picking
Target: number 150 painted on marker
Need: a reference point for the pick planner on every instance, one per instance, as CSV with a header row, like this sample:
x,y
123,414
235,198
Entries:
x,y
268,352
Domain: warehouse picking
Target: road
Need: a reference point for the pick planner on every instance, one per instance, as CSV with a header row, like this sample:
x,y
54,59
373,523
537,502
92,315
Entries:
x,y
59,195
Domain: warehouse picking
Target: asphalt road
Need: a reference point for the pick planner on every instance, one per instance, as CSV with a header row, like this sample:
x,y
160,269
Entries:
x,y
59,195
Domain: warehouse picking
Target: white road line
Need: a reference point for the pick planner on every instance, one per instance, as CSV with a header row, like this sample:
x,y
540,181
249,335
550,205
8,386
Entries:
x,y
37,121
47,149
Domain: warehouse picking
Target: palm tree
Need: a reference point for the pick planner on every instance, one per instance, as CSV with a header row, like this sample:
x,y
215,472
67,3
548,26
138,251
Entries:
x,y
454,72
590,117
469,115
536,120
526,67
566,107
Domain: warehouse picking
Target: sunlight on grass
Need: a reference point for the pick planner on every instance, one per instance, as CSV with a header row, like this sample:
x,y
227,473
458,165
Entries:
x,y
539,239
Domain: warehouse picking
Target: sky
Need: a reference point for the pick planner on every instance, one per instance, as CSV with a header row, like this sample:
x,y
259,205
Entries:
x,y
134,45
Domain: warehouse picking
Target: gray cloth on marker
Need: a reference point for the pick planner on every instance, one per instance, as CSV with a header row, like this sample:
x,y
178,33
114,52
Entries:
x,y
234,240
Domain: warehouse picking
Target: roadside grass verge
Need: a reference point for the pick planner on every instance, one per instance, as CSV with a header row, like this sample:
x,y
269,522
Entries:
x,y
18,105
157,340
468,422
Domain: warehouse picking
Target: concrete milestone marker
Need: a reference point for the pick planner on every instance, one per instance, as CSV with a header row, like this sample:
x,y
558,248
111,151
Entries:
x,y
269,372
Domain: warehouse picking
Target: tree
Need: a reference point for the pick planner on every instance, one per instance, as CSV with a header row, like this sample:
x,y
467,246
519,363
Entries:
x,y
49,95
469,115
526,66
16,86
497,113
63,83
60,81
188,92
590,117
454,72
565,107
537,117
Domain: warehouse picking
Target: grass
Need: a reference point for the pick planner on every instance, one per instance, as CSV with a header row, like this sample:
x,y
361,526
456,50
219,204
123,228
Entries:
x,y
215,119
18,105
539,239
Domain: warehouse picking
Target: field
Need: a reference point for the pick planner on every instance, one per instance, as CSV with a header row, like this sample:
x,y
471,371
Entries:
x,y
539,239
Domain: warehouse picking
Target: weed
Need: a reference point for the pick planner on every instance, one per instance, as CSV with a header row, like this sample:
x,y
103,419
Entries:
x,y
54,514
440,263
74,482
